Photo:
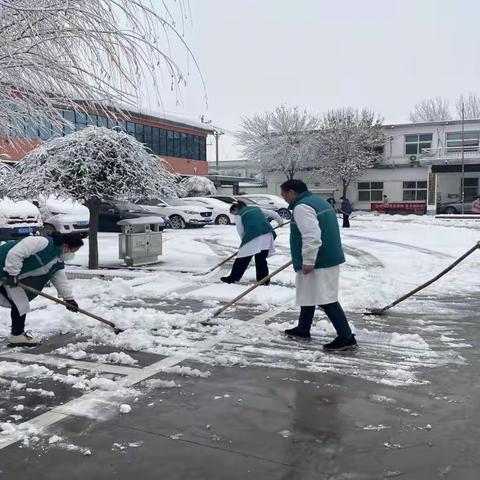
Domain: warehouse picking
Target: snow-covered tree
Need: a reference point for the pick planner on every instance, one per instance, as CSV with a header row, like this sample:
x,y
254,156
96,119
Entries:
x,y
350,141
279,141
55,52
7,179
431,110
471,106
197,186
90,165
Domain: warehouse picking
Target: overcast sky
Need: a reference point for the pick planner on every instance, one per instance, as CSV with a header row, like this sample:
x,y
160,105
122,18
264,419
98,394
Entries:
x,y
381,54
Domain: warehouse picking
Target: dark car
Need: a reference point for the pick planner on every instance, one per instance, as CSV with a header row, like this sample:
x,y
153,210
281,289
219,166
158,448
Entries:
x,y
112,212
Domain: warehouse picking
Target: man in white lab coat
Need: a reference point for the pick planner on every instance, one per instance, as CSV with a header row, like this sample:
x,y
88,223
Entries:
x,y
317,253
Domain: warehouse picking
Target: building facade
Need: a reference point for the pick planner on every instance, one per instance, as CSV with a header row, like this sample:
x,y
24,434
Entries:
x,y
181,143
421,165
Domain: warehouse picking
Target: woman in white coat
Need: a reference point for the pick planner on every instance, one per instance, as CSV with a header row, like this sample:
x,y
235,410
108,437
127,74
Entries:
x,y
257,241
34,261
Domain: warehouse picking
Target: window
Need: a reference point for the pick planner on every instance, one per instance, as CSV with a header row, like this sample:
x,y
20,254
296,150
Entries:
x,y
92,120
196,147
470,141
190,147
203,148
416,143
32,129
80,120
176,144
130,128
45,130
413,191
139,133
370,191
156,141
163,141
183,145
470,189
70,116
169,143
147,133
102,121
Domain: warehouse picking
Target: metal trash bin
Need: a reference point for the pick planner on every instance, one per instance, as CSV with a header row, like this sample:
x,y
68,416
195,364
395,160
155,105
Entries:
x,y
140,242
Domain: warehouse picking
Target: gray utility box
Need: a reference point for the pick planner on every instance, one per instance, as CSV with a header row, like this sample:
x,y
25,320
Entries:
x,y
140,242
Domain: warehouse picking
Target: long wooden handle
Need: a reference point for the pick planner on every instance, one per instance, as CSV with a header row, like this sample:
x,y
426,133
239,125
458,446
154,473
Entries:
x,y
426,284
253,287
65,304
223,262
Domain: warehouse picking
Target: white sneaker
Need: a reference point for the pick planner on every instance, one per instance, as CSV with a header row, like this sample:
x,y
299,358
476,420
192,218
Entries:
x,y
25,339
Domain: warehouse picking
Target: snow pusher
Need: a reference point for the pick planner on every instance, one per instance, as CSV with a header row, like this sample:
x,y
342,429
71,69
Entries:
x,y
381,311
65,304
244,293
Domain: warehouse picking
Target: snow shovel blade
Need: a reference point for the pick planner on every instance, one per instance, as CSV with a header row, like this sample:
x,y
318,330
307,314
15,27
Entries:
x,y
375,311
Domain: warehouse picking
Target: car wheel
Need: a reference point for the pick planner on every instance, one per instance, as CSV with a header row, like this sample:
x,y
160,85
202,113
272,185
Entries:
x,y
48,229
177,222
450,210
285,214
222,220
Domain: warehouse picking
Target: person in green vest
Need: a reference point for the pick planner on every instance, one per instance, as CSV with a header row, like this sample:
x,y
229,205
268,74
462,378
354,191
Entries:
x,y
34,261
317,254
257,241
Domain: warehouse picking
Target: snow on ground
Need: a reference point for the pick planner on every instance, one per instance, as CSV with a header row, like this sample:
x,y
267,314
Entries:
x,y
162,309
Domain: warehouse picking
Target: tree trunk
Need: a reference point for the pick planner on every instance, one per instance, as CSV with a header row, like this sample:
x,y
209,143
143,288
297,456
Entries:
x,y
345,185
93,205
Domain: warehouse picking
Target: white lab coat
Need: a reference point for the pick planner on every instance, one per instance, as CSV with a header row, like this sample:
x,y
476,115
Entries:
x,y
13,265
263,242
319,287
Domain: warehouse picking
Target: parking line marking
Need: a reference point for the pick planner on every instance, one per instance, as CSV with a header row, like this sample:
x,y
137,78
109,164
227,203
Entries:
x,y
60,362
61,412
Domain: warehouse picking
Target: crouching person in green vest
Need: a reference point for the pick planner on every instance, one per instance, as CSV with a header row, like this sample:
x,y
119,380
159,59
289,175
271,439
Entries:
x,y
257,240
317,253
34,261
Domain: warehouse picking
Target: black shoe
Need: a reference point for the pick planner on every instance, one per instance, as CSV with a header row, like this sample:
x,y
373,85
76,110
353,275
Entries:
x,y
297,334
227,280
341,344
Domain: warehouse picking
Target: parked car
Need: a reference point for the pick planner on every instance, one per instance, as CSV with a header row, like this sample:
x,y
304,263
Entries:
x,y
63,215
18,219
180,214
279,206
113,211
455,207
271,202
220,210
230,199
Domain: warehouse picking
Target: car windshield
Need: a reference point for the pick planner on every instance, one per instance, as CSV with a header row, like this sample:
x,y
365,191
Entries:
x,y
248,201
129,206
175,202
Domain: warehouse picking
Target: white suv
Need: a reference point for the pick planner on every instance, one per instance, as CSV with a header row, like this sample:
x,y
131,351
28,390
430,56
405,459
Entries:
x,y
271,202
178,213
220,210
63,215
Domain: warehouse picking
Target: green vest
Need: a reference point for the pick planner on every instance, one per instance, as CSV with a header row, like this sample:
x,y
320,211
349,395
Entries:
x,y
32,263
254,224
330,252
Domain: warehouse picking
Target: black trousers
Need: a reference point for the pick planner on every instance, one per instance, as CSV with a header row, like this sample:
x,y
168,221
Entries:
x,y
18,321
346,221
334,313
241,264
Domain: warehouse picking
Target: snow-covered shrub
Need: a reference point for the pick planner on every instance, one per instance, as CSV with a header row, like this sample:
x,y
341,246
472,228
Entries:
x,y
196,186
